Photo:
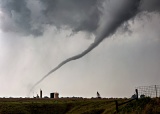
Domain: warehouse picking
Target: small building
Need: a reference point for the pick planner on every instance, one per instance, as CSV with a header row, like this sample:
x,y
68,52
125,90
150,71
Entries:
x,y
51,95
54,95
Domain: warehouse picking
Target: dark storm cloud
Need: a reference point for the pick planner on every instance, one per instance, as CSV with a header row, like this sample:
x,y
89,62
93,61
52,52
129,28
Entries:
x,y
75,14
16,15
80,15
150,5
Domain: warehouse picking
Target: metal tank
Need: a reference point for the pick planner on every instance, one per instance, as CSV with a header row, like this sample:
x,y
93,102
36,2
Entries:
x,y
56,95
40,93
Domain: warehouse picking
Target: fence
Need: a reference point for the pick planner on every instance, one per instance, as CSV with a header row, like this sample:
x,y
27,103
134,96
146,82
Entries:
x,y
149,91
142,91
119,104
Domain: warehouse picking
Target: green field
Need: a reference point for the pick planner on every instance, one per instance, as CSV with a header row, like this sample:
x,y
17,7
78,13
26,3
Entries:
x,y
77,106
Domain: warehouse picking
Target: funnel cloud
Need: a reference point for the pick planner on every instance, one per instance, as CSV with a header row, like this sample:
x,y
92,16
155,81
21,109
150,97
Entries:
x,y
124,12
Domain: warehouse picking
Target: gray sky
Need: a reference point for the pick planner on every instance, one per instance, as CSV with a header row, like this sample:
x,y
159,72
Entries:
x,y
36,35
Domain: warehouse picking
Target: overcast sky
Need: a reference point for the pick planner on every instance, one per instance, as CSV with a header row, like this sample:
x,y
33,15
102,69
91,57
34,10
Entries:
x,y
121,39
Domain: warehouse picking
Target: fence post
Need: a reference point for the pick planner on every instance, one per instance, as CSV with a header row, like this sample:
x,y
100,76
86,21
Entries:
x,y
116,106
136,94
156,90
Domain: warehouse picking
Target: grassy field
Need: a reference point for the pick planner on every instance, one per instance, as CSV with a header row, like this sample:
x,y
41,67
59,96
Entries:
x,y
77,106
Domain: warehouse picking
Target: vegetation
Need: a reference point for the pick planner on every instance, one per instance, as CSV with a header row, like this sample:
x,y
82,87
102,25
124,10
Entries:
x,y
78,106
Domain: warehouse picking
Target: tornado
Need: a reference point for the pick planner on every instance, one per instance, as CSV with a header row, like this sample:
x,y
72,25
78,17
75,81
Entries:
x,y
126,10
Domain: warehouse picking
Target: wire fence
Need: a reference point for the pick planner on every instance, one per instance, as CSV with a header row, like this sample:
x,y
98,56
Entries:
x,y
149,91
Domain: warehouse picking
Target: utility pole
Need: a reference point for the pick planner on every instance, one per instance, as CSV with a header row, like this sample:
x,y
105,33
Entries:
x,y
156,90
